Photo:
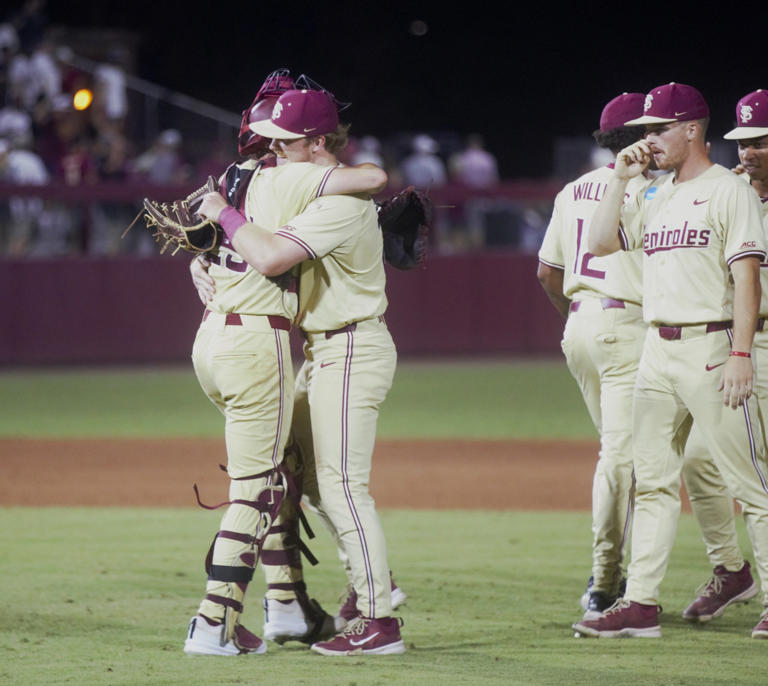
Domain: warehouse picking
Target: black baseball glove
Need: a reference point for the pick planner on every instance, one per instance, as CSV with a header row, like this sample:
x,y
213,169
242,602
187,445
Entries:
x,y
405,220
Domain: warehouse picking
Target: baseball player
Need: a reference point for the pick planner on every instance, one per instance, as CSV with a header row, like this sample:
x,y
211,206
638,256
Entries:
x,y
350,356
284,619
601,299
242,359
700,229
732,581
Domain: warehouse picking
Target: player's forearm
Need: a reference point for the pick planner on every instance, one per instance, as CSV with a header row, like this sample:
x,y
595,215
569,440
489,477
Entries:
x,y
365,178
746,301
604,228
267,253
551,281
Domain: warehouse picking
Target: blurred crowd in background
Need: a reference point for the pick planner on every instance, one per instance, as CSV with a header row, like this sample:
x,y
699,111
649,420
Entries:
x,y
93,139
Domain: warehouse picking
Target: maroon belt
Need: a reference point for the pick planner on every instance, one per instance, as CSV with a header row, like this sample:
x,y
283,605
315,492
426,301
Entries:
x,y
234,319
348,327
607,304
675,333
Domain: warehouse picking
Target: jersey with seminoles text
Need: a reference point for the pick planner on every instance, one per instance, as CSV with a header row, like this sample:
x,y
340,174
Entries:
x,y
565,243
690,233
344,280
275,195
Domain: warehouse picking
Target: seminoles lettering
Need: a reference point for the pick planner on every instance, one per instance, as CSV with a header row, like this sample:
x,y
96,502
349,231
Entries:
x,y
672,239
589,191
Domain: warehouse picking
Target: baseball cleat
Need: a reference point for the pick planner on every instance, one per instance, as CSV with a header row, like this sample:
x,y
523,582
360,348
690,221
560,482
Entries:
x,y
723,589
365,636
287,621
624,619
597,603
603,600
348,610
761,630
204,638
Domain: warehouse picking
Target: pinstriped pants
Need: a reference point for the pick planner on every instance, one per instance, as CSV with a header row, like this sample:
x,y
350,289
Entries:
x,y
677,380
339,390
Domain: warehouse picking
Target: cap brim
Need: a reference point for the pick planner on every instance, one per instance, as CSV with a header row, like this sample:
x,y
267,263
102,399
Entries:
x,y
741,132
269,129
640,121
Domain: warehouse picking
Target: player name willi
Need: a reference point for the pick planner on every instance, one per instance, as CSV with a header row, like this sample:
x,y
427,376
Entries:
x,y
589,190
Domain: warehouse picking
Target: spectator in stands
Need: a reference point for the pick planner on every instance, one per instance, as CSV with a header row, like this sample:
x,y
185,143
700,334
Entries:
x,y
474,166
110,98
367,150
60,134
9,46
109,219
163,163
423,168
30,22
19,225
34,78
16,127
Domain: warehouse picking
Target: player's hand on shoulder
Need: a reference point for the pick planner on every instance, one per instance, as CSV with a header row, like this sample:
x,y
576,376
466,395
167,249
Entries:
x,y
738,169
633,160
201,279
736,382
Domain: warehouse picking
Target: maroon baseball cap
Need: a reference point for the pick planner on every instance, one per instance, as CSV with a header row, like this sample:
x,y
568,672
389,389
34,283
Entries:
x,y
672,102
298,114
751,116
620,110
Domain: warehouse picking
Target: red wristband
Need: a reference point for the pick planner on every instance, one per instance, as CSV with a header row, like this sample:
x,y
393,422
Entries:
x,y
231,220
738,353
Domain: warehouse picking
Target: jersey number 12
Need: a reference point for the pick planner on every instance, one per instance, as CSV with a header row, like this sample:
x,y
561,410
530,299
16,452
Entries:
x,y
584,269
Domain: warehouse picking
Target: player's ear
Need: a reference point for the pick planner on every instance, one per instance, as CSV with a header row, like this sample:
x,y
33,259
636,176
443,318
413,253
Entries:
x,y
316,143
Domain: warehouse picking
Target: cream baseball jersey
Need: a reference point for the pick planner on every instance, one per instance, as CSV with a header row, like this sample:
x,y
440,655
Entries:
x,y
690,233
275,194
344,280
764,264
565,243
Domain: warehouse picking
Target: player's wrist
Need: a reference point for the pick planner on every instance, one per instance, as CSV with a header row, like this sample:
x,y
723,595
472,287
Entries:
x,y
231,220
739,353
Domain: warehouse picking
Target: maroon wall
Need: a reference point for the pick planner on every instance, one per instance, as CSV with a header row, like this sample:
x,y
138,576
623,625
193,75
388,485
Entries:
x,y
83,310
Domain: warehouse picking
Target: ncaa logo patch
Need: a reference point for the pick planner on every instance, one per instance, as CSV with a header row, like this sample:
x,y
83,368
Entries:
x,y
745,113
650,194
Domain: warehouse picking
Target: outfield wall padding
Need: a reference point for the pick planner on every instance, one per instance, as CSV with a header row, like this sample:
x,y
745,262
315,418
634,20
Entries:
x,y
121,310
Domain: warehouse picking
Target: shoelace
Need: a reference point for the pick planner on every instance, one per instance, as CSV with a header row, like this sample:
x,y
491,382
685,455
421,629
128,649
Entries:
x,y
357,627
713,587
618,606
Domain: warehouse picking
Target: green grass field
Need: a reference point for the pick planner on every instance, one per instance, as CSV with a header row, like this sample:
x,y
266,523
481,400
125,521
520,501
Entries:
x,y
103,596
428,400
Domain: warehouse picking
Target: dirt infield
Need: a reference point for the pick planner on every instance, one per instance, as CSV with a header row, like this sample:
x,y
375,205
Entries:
x,y
540,475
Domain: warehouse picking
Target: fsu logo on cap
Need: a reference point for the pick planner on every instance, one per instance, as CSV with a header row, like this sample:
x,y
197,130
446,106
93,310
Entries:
x,y
648,102
745,113
277,110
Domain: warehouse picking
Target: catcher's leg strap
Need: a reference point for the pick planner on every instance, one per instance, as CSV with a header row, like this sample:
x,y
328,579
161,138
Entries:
x,y
236,548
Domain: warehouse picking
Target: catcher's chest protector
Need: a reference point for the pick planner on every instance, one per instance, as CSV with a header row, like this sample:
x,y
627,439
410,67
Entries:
x,y
236,184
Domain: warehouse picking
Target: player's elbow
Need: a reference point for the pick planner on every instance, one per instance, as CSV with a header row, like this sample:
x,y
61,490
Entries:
x,y
379,180
600,247
550,278
272,266
373,178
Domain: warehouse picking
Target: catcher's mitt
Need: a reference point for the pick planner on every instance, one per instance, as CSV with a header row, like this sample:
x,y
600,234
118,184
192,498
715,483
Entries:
x,y
405,221
178,224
